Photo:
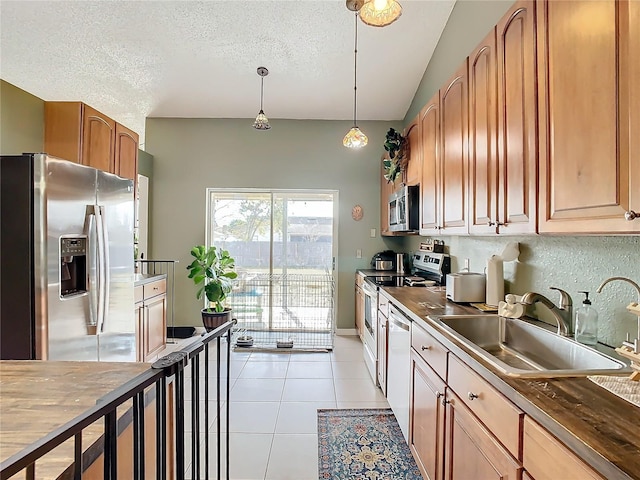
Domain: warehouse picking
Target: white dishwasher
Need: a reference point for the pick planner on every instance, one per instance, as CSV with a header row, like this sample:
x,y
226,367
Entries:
x,y
399,367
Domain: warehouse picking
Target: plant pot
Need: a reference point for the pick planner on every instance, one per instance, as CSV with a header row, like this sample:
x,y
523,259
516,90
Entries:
x,y
212,319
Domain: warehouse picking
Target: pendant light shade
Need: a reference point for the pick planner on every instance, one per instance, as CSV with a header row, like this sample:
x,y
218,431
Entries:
x,y
380,13
262,122
354,137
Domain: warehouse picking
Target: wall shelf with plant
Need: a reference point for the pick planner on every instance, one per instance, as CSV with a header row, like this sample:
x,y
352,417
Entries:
x,y
396,146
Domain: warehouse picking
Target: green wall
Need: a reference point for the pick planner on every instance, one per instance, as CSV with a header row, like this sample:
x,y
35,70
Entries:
x,y
468,24
569,262
21,121
193,154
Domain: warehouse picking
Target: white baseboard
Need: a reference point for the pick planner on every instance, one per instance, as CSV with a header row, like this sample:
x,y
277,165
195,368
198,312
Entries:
x,y
346,331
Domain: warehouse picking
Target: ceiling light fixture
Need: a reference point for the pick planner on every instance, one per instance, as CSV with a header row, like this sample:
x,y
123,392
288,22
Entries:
x,y
262,122
380,13
355,138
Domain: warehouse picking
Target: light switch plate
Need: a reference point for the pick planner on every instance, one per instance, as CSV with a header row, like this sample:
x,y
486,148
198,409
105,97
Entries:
x,y
373,233
359,253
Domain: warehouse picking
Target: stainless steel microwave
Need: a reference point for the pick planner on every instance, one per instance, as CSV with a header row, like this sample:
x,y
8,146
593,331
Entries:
x,y
404,209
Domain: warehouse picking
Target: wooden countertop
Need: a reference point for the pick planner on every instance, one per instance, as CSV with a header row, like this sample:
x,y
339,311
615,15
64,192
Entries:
x,y
597,425
37,397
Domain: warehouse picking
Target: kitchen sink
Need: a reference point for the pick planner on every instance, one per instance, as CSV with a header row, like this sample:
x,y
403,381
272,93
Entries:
x,y
519,348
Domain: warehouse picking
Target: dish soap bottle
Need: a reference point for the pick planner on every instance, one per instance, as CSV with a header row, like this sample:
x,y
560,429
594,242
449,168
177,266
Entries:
x,y
586,322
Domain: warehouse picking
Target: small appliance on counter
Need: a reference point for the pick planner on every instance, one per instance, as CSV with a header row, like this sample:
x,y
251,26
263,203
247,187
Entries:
x,y
385,260
466,287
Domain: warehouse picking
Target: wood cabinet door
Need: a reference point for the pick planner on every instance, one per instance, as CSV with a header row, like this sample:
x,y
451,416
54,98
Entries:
x,y
63,130
413,171
126,153
471,450
453,155
155,325
545,458
98,140
517,114
429,184
483,138
426,419
585,105
383,324
630,136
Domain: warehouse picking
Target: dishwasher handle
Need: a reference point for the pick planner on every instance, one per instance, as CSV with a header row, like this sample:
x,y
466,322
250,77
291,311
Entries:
x,y
398,319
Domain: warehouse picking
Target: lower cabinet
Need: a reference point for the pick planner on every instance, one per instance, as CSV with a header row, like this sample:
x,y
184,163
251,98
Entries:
x,y
545,458
471,450
151,315
426,421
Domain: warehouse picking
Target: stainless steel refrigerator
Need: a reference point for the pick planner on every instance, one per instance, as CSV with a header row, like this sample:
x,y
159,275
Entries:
x,y
66,265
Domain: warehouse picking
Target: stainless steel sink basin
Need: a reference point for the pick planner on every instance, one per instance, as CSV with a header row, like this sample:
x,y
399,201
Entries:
x,y
522,349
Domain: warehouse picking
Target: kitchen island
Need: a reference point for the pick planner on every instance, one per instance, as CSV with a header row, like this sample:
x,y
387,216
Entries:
x,y
594,424
37,397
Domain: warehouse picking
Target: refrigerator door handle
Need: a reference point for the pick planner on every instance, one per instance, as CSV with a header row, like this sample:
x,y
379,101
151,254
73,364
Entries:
x,y
93,269
106,262
101,265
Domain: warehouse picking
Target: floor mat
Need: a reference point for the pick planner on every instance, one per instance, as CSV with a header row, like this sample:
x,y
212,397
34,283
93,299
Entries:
x,y
363,444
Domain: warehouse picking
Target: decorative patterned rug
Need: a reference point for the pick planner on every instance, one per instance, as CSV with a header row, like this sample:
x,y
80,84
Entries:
x,y
363,444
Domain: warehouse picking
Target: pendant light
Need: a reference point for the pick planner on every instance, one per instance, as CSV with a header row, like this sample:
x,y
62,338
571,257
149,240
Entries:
x,y
262,122
355,138
380,13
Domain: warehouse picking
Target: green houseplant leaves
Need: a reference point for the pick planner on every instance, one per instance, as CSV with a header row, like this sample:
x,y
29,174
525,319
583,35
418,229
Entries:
x,y
395,144
212,271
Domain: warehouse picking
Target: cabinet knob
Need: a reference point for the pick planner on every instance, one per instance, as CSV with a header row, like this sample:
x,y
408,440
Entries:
x,y
490,223
630,215
425,347
472,396
438,394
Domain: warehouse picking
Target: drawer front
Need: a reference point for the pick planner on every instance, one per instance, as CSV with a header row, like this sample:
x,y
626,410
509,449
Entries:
x,y
138,293
383,304
152,289
548,459
494,410
432,351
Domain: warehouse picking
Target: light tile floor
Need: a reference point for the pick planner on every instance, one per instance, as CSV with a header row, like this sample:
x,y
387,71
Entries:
x,y
273,405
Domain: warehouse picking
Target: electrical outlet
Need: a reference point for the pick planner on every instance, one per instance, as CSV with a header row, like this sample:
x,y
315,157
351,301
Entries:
x,y
466,264
634,307
358,253
373,233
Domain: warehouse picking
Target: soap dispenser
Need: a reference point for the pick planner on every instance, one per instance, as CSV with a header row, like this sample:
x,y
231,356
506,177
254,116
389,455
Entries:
x,y
586,322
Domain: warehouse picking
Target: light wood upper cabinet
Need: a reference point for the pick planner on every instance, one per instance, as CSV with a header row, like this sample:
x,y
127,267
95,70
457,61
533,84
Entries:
x,y
429,187
98,140
413,171
502,127
126,152
453,155
588,54
483,137
79,133
517,113
443,132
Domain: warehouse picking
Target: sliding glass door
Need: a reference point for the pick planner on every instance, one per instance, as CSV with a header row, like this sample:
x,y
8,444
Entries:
x,y
284,244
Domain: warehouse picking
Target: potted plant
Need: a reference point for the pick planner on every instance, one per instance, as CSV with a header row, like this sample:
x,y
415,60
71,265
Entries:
x,y
395,144
212,271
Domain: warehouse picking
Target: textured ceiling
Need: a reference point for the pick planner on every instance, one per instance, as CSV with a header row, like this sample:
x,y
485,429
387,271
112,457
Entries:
x,y
134,59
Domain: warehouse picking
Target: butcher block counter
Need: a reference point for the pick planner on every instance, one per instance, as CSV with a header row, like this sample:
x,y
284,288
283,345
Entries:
x,y
37,397
598,426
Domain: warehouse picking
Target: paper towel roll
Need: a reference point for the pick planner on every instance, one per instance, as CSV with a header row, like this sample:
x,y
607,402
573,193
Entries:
x,y
495,281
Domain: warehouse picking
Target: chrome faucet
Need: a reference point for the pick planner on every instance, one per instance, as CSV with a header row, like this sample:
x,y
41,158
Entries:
x,y
562,313
635,345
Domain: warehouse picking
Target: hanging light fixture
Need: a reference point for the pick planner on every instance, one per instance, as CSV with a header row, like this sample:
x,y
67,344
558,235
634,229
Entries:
x,y
354,137
380,13
262,122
